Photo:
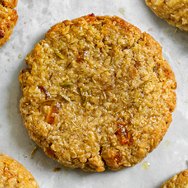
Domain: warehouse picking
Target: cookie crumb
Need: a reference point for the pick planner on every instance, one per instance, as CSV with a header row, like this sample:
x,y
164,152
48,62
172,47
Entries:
x,y
56,169
34,150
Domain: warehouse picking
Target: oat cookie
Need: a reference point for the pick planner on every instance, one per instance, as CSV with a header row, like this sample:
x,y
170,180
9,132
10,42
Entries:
x,y
9,3
180,180
97,93
13,174
8,19
175,12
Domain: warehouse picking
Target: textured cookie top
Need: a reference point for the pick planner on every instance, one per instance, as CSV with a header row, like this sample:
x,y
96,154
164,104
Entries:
x,y
8,19
9,3
97,93
13,174
175,12
180,180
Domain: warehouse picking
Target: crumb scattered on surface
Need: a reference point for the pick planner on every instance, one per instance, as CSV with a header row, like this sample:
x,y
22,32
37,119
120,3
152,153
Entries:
x,y
34,150
56,169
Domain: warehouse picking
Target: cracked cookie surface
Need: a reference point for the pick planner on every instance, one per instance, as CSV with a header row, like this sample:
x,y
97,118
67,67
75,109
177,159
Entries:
x,y
97,93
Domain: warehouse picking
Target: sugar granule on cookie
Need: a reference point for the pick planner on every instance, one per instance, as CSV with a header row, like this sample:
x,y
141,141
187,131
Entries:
x,y
97,93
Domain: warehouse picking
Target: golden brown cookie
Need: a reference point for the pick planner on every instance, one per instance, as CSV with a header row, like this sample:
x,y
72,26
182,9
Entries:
x,y
175,12
180,180
8,19
9,3
97,93
13,174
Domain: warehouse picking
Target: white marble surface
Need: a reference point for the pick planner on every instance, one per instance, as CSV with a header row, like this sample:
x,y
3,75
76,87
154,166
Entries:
x,y
35,18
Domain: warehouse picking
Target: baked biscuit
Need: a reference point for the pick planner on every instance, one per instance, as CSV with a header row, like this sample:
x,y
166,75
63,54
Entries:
x,y
97,93
180,180
9,3
13,174
175,12
8,19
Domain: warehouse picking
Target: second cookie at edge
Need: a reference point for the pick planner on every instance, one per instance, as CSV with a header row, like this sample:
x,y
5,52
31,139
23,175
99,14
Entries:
x,y
175,12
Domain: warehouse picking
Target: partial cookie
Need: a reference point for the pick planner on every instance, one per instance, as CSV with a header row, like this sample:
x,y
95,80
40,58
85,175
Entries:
x,y
13,174
180,180
97,93
8,19
9,3
175,12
